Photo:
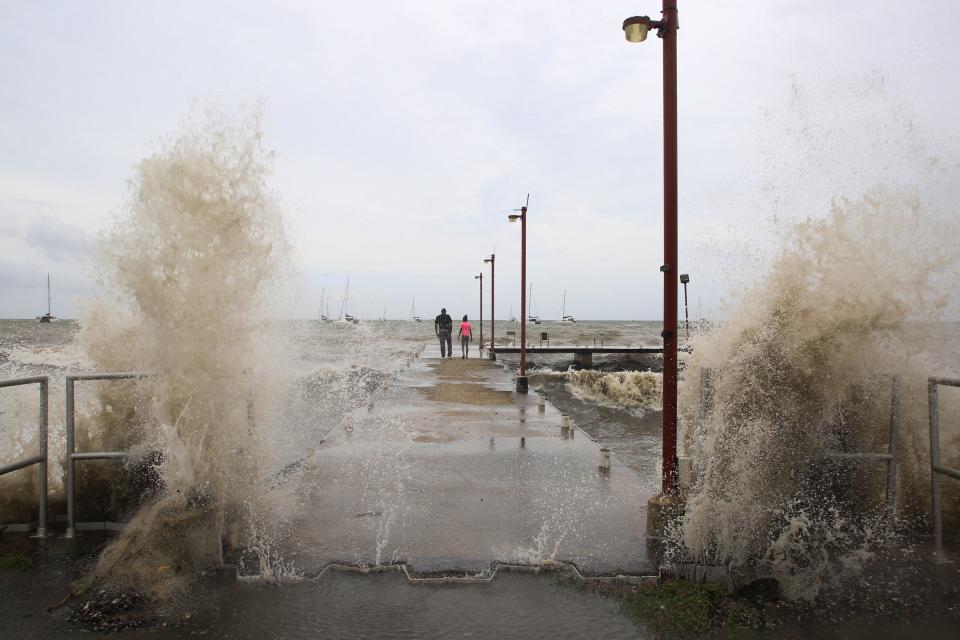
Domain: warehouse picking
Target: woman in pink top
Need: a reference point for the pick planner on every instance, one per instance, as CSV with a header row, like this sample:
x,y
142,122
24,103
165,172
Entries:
x,y
466,334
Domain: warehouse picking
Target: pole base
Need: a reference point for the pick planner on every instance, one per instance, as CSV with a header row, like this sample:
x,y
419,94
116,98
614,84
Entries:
x,y
42,533
522,386
662,510
492,354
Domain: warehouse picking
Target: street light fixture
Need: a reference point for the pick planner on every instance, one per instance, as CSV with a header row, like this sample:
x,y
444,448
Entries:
x,y
636,28
480,277
522,386
660,507
493,312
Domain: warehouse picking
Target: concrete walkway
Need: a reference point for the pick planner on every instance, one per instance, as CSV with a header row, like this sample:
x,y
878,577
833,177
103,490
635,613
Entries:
x,y
453,471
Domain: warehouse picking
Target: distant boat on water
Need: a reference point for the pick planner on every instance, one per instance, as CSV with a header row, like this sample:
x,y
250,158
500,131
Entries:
x,y
563,312
345,317
48,316
530,316
413,311
324,306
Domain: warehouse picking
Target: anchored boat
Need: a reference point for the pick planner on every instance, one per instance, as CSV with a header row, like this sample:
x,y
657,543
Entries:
x,y
563,312
48,316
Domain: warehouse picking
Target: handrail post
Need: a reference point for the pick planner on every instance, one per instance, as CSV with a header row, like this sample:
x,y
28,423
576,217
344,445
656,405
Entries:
x,y
892,448
934,416
40,459
71,463
44,421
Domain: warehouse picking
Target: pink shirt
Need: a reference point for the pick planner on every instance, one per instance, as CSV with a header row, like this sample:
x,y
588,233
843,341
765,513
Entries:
x,y
466,329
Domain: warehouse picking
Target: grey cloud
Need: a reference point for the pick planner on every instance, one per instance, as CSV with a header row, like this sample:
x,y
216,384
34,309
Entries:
x,y
56,240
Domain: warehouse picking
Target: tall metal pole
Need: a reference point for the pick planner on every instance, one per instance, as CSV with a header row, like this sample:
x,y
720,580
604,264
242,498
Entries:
x,y
493,313
481,314
522,378
670,267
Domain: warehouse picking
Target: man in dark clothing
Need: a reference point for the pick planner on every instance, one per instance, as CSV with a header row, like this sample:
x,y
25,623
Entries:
x,y
443,326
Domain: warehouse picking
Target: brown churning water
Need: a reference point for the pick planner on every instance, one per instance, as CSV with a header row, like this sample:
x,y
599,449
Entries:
x,y
801,367
187,267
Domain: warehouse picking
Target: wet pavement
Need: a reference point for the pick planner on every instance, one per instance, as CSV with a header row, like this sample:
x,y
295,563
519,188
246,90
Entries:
x,y
454,472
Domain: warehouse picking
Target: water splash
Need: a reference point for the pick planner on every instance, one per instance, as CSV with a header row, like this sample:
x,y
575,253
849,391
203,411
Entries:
x,y
188,265
852,282
636,390
800,370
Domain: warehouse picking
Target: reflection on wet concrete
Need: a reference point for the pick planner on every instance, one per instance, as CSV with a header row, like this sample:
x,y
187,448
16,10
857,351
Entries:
x,y
461,484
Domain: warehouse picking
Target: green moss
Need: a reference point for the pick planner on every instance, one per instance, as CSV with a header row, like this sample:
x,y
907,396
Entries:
x,y
15,562
679,607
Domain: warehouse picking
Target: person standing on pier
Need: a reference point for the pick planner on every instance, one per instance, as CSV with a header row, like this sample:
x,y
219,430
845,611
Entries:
x,y
466,334
443,326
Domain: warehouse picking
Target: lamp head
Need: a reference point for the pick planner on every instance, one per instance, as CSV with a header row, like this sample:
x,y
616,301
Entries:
x,y
513,217
635,29
479,277
684,278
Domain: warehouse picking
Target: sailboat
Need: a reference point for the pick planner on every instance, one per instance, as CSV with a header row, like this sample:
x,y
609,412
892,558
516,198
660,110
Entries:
x,y
413,311
48,316
530,317
563,312
324,306
513,318
344,315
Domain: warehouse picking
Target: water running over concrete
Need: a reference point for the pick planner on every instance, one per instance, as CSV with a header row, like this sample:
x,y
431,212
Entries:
x,y
455,472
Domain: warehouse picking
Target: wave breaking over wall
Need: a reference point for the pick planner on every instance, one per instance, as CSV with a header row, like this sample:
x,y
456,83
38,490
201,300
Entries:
x,y
633,390
801,370
187,267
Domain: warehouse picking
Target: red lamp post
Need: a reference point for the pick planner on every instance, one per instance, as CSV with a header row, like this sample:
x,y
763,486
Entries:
x,y
522,386
635,30
493,317
480,277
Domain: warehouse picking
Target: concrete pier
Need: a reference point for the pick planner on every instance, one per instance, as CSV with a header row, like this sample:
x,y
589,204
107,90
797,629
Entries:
x,y
455,471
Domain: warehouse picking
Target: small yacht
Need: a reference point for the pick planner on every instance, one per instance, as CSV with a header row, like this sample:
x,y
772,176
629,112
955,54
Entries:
x,y
345,317
324,306
563,312
530,316
48,316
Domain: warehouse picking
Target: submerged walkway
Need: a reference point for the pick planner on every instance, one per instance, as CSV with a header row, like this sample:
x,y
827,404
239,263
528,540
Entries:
x,y
453,471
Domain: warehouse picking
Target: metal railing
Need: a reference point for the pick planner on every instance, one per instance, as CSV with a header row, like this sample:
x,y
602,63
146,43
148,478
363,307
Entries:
x,y
937,469
891,455
72,454
41,458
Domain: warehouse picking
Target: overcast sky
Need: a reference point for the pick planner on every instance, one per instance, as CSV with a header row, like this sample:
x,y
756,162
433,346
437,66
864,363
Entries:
x,y
406,131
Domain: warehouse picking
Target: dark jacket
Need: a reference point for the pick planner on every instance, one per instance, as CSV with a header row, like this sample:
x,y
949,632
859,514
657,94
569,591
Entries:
x,y
443,323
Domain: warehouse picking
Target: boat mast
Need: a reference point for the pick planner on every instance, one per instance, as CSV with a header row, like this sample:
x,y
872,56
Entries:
x,y
49,308
343,303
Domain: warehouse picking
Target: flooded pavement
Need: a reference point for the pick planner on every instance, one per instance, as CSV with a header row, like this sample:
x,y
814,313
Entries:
x,y
455,472
442,470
